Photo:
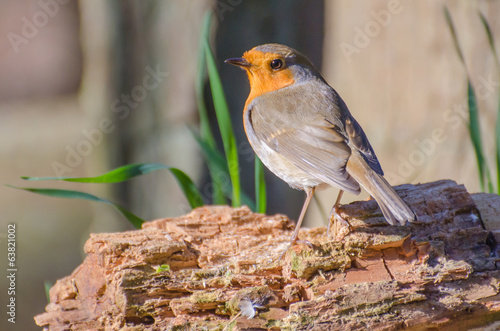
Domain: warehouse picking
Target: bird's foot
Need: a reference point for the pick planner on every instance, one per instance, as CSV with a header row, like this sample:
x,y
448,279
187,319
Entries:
x,y
341,227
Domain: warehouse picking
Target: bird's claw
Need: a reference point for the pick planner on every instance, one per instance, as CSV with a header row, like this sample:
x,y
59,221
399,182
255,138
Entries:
x,y
341,227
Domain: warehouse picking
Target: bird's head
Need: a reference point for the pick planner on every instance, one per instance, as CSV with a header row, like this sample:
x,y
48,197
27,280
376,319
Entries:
x,y
271,67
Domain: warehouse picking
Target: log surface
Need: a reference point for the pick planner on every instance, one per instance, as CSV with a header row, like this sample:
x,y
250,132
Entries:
x,y
221,267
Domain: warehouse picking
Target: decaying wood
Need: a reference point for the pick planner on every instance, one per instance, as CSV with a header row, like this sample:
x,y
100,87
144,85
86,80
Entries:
x,y
441,272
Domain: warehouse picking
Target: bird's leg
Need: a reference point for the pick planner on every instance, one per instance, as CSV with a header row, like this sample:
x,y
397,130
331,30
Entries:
x,y
335,217
309,194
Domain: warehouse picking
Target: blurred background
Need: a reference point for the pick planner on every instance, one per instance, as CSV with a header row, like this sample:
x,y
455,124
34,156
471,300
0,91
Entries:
x,y
86,86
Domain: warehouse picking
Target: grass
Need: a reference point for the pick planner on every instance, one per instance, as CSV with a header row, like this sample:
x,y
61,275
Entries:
x,y
206,138
497,124
220,165
115,176
485,179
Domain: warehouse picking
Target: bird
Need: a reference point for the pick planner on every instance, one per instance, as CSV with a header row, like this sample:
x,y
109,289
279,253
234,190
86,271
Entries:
x,y
303,132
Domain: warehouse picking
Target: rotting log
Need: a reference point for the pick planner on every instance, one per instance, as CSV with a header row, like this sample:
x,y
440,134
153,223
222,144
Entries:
x,y
439,273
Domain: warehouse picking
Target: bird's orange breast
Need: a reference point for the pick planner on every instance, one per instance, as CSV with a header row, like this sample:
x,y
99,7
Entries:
x,y
262,77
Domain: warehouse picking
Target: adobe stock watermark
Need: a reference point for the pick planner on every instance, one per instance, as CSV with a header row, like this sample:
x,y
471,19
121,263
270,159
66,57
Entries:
x,y
122,106
31,26
453,119
223,6
11,272
363,36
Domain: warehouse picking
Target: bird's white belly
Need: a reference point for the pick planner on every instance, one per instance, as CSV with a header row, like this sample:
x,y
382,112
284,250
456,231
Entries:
x,y
283,168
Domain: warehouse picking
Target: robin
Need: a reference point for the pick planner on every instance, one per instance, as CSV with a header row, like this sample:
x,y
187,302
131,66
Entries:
x,y
303,132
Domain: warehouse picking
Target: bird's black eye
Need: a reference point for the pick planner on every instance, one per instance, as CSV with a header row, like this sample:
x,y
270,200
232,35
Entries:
x,y
276,64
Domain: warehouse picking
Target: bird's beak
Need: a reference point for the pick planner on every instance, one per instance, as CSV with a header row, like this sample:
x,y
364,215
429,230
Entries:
x,y
240,62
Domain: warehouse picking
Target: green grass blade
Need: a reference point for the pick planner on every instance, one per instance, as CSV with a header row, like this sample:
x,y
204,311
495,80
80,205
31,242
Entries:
x,y
114,176
205,131
225,126
211,153
187,186
220,168
216,166
489,34
47,285
449,21
246,200
497,145
491,42
127,172
475,135
68,194
474,127
260,187
489,181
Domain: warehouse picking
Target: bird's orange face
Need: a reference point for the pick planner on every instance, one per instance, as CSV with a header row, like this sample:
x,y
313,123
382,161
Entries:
x,y
267,72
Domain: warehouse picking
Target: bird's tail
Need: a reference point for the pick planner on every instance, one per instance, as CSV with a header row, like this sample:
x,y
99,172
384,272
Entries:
x,y
395,210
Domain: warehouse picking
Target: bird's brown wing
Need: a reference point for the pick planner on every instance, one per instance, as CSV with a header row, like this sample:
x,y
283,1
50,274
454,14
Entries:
x,y
358,140
288,126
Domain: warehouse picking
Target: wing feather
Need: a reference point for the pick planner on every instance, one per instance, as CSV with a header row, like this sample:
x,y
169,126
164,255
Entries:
x,y
308,140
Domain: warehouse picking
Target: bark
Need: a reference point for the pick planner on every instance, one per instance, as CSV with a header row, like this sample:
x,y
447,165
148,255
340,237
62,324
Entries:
x,y
221,265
